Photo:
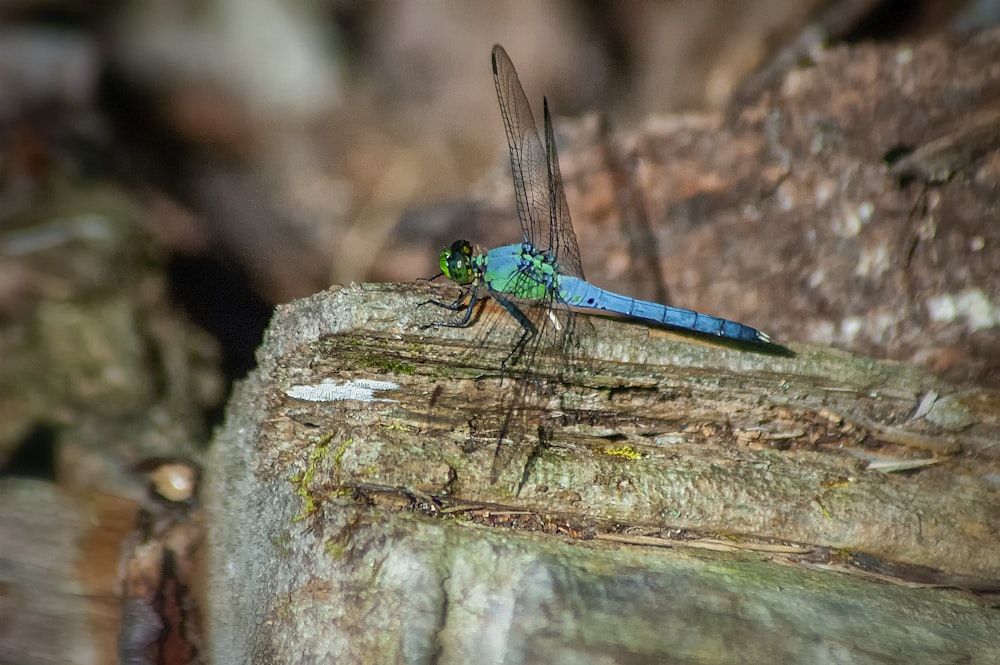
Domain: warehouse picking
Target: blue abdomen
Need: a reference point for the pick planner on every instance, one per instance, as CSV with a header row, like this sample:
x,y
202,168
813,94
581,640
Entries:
x,y
578,293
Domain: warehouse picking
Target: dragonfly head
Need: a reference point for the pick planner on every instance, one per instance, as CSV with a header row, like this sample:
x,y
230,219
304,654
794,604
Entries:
x,y
456,262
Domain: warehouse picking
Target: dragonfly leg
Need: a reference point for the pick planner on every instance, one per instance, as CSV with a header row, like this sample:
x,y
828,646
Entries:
x,y
457,305
528,330
453,306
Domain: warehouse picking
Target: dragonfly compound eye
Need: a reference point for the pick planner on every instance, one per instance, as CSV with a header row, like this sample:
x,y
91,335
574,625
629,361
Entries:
x,y
456,261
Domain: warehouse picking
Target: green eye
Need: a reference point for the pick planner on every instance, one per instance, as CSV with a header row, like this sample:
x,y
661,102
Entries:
x,y
456,262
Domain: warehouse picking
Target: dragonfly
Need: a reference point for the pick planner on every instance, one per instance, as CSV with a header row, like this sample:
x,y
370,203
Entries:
x,y
539,282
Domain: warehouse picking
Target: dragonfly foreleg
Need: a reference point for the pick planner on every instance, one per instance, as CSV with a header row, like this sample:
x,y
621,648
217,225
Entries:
x,y
454,306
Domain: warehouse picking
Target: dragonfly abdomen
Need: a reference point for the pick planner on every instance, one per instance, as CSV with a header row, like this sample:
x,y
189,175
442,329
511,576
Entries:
x,y
579,293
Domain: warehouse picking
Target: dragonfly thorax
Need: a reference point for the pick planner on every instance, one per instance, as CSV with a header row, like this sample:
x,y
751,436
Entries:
x,y
522,271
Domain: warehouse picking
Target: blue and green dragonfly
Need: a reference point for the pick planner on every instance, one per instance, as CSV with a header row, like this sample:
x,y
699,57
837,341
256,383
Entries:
x,y
539,281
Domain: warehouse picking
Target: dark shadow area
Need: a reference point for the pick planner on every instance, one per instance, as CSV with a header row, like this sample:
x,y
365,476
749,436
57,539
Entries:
x,y
218,297
34,456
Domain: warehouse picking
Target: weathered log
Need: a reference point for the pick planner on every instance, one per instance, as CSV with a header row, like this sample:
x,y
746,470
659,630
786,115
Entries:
x,y
664,498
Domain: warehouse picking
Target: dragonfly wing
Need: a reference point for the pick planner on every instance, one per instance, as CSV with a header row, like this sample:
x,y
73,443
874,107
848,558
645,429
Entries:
x,y
527,156
541,202
564,245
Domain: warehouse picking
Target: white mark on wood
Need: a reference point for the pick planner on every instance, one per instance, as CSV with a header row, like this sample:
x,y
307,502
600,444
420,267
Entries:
x,y
362,390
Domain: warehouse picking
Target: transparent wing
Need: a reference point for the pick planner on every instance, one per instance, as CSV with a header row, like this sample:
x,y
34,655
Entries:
x,y
529,405
541,201
564,246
